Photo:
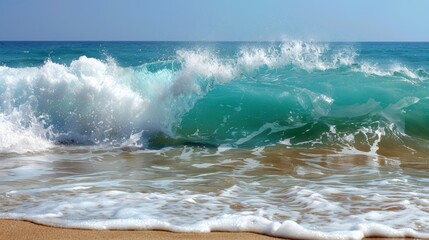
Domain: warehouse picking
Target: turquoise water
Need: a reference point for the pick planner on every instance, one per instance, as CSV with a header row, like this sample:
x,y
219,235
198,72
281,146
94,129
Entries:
x,y
222,93
233,121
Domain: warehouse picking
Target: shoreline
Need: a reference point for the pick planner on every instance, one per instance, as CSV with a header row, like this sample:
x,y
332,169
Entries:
x,y
23,230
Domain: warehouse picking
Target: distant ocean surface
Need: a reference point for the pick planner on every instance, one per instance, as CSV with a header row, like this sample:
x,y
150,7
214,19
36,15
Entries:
x,y
294,139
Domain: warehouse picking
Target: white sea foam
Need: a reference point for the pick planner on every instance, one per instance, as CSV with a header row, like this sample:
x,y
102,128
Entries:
x,y
15,138
83,102
204,63
190,189
166,211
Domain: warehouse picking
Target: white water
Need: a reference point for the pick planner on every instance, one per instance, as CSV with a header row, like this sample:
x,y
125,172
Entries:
x,y
218,190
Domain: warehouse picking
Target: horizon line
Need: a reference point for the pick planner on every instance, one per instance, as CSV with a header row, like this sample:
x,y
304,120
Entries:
x,y
226,41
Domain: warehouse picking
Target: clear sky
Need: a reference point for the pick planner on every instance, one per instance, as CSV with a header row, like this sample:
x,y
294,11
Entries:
x,y
214,20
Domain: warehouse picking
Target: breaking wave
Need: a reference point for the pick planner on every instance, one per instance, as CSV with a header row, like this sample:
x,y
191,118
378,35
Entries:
x,y
300,93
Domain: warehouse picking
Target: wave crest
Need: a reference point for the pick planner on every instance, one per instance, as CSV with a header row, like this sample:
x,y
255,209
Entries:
x,y
305,55
91,101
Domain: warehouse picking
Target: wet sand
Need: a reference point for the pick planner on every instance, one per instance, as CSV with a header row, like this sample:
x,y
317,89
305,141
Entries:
x,y
23,230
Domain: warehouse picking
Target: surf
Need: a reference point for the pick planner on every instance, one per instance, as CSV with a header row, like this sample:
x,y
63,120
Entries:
x,y
256,95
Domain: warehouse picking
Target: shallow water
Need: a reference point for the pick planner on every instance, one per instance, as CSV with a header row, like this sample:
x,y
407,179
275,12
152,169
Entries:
x,y
294,139
207,189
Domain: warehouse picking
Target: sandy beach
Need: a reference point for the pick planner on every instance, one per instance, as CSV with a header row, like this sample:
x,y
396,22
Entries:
x,y
22,230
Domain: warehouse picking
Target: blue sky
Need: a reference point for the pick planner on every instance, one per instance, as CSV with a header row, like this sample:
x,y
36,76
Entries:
x,y
205,20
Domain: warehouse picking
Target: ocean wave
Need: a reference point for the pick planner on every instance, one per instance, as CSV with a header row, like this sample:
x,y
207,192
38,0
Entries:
x,y
82,102
93,101
97,102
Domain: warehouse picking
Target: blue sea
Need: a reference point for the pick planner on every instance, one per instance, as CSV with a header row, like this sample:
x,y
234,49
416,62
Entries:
x,y
293,139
